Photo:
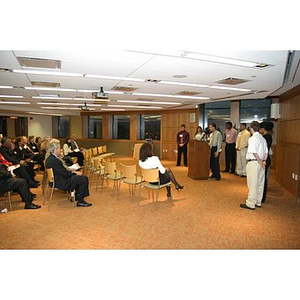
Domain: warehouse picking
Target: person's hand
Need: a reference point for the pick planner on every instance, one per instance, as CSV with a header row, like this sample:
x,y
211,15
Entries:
x,y
216,154
263,164
78,173
181,145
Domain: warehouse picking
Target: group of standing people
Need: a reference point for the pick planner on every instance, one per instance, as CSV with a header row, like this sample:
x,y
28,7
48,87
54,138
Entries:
x,y
247,154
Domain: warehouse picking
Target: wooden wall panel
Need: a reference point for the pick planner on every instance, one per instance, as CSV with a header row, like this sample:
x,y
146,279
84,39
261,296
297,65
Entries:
x,y
288,141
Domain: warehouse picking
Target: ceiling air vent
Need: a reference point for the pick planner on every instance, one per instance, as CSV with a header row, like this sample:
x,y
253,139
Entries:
x,y
32,62
124,89
187,93
45,84
232,81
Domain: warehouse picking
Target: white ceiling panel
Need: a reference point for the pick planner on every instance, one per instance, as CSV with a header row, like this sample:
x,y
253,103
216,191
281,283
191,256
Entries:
x,y
146,65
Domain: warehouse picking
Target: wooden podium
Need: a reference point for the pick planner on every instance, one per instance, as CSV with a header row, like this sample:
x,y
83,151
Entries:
x,y
199,158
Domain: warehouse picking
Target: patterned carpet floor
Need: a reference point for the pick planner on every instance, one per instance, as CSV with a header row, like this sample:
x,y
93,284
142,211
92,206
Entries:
x,y
204,215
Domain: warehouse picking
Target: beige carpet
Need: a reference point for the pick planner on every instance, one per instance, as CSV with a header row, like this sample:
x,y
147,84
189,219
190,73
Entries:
x,y
204,215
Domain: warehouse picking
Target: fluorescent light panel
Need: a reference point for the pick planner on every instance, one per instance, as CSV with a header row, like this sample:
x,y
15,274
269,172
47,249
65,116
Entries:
x,y
49,89
37,72
149,102
170,96
10,96
113,77
222,60
6,87
45,114
135,106
16,102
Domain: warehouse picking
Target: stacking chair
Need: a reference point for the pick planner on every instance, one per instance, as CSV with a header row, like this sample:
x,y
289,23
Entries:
x,y
151,176
7,198
50,179
99,170
130,177
112,174
107,154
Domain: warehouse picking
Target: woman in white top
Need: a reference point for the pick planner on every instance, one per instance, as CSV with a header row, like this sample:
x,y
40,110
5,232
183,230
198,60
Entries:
x,y
200,134
69,152
148,161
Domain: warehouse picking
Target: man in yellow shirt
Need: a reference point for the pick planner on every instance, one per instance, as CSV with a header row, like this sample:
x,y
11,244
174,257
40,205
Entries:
x,y
241,150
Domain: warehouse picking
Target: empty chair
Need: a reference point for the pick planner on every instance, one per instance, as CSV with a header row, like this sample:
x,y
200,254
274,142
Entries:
x,y
99,170
130,177
152,182
112,174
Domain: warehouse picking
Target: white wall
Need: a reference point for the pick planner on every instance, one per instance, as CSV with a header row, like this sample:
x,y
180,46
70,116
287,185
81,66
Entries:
x,y
40,126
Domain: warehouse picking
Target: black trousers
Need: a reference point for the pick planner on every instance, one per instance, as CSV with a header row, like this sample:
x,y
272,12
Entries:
x,y
214,163
79,156
181,150
230,157
19,185
81,185
267,170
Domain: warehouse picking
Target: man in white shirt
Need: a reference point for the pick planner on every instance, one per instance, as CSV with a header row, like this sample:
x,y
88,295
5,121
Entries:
x,y
241,150
256,155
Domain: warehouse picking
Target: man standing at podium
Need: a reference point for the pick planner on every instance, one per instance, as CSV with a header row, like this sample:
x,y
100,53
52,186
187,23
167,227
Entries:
x,y
183,138
215,143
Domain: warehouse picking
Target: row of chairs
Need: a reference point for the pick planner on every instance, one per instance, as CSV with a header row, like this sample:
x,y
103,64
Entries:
x,y
127,174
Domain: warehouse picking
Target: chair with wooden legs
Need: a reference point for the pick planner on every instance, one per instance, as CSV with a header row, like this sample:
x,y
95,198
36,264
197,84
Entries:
x,y
51,186
7,198
149,177
130,177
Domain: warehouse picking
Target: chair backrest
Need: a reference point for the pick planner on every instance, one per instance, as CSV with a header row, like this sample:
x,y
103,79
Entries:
x,y
95,151
150,175
50,175
97,163
104,149
100,151
128,171
110,167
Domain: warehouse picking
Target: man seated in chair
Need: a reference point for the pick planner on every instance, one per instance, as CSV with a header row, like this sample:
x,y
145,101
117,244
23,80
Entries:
x,y
8,182
65,179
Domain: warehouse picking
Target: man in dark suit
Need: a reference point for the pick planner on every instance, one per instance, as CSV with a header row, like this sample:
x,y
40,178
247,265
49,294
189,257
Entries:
x,y
26,169
65,179
182,139
10,183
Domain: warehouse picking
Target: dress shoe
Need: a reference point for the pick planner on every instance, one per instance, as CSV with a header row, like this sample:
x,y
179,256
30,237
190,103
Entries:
x,y
236,174
179,187
34,185
32,206
177,165
36,181
245,206
33,195
259,206
231,172
218,179
211,176
243,176
84,204
185,165
225,171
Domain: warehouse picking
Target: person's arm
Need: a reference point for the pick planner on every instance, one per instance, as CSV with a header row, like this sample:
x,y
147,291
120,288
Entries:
x,y
219,144
160,166
261,162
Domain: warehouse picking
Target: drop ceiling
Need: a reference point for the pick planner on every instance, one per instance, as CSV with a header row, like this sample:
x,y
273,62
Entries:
x,y
171,80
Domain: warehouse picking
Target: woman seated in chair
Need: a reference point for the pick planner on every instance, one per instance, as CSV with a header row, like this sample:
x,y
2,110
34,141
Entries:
x,y
148,161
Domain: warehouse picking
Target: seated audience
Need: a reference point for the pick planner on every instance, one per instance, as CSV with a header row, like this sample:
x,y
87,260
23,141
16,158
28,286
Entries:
x,y
148,161
8,153
32,145
67,150
65,179
9,183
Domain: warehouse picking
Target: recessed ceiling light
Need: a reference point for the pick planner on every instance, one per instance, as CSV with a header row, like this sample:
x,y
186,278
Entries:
x,y
6,87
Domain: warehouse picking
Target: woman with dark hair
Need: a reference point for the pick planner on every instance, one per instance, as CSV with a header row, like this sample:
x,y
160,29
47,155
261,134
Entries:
x,y
266,129
148,161
67,149
200,134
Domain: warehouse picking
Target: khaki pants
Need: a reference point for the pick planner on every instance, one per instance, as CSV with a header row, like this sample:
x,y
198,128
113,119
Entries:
x,y
241,162
255,182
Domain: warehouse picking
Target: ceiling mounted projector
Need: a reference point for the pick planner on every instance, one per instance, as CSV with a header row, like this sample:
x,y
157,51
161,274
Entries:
x,y
100,95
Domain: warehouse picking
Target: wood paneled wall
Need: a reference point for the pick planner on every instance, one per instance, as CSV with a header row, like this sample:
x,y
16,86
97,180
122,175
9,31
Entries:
x,y
288,141
170,125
